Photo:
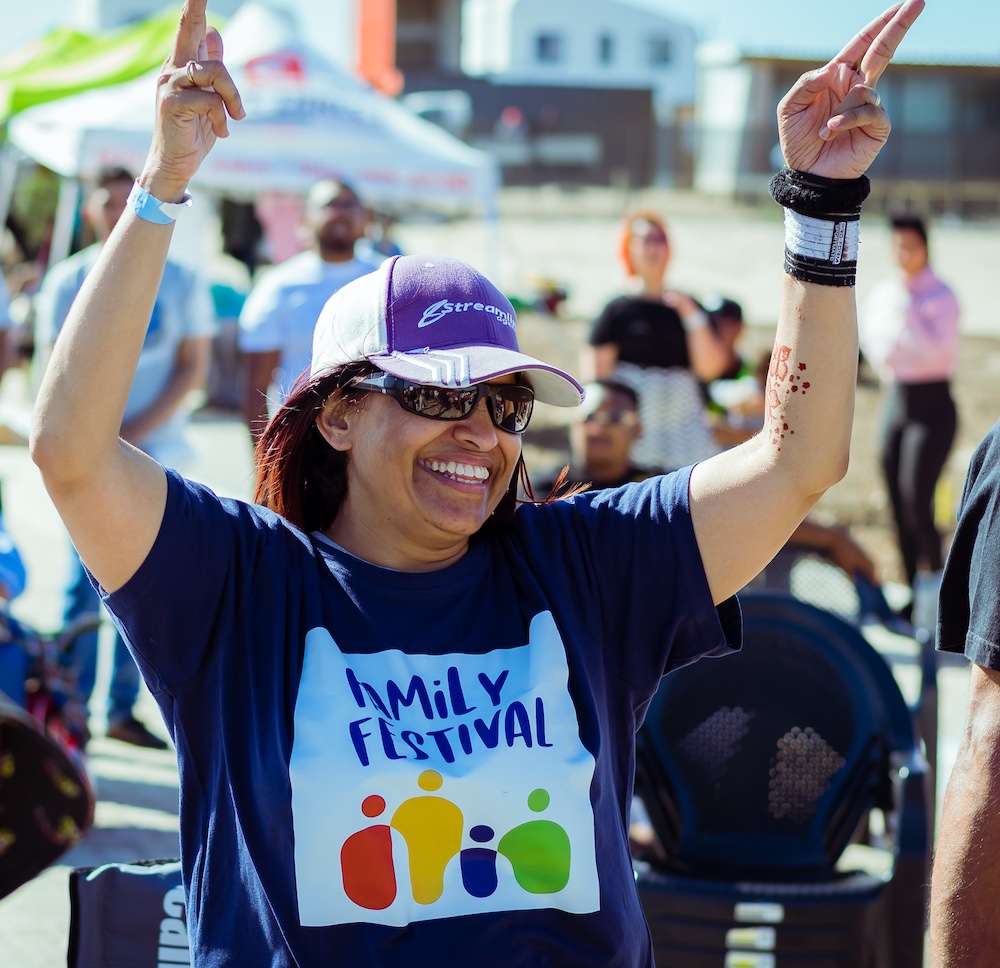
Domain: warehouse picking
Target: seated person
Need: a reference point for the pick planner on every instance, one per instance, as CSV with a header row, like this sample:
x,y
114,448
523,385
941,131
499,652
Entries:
x,y
600,437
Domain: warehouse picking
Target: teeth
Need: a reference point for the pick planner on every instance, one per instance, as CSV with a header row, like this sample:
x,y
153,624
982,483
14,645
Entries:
x,y
459,471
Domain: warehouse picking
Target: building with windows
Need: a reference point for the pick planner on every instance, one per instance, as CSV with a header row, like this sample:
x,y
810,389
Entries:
x,y
593,43
944,153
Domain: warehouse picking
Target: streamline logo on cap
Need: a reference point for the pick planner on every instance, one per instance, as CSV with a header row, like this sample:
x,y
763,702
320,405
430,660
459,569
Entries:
x,y
432,320
441,308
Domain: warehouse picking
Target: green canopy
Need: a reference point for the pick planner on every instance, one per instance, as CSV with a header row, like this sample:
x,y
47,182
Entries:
x,y
66,61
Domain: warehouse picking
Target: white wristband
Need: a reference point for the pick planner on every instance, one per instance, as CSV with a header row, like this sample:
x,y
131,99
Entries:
x,y
152,209
816,238
694,320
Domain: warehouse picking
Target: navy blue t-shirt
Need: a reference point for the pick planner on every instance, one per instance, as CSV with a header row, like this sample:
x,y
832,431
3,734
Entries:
x,y
969,606
390,768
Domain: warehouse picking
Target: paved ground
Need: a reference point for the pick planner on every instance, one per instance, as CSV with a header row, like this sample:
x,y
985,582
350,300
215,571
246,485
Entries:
x,y
137,789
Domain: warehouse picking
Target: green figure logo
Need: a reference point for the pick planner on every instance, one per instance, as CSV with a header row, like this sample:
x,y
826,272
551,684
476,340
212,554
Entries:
x,y
538,850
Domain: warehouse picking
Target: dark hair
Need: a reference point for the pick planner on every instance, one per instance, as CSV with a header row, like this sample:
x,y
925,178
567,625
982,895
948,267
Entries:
x,y
615,387
903,221
302,478
111,174
337,185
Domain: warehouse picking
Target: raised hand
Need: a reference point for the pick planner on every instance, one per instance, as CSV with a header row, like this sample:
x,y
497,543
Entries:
x,y
195,97
832,122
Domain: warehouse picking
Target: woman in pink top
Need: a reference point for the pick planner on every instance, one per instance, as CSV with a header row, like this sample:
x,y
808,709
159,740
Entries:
x,y
909,334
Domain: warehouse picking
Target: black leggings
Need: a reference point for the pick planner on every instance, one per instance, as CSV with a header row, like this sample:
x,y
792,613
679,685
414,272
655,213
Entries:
x,y
918,429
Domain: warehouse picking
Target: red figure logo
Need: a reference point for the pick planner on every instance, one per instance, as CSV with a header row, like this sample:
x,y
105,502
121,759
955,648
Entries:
x,y
366,860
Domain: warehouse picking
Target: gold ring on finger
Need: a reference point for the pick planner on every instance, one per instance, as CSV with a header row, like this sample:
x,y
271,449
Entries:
x,y
189,70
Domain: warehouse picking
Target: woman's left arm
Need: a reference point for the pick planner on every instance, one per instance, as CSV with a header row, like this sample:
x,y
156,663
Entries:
x,y
746,502
706,352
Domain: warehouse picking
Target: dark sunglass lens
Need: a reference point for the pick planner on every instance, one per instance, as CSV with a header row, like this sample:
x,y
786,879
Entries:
x,y
440,403
512,408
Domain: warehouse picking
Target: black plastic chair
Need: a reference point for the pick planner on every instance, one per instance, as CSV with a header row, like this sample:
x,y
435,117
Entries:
x,y
810,576
764,775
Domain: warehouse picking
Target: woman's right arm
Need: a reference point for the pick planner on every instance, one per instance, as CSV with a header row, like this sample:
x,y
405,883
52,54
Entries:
x,y
110,495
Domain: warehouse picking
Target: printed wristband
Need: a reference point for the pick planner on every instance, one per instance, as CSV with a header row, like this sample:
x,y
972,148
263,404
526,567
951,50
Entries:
x,y
152,209
822,250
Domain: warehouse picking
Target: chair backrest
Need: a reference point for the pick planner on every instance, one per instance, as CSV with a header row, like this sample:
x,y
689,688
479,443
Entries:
x,y
761,765
811,576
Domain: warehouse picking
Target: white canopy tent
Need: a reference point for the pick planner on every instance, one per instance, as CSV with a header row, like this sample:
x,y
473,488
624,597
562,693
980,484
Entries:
x,y
306,119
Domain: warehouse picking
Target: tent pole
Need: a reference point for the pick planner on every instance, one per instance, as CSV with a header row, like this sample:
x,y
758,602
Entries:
x,y
65,221
9,162
491,216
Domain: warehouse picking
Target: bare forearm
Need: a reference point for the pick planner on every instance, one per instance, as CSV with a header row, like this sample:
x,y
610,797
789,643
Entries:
x,y
809,393
965,888
708,356
94,360
965,885
802,450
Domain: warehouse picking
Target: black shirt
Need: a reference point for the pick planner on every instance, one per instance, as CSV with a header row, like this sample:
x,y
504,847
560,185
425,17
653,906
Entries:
x,y
646,332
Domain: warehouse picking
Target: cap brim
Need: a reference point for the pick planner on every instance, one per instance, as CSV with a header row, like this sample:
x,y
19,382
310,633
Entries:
x,y
479,364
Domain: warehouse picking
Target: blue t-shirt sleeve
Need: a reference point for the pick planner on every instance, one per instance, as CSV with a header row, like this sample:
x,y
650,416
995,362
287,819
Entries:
x,y
206,560
638,577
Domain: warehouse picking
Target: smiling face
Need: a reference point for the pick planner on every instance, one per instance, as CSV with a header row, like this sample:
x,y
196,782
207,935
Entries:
x,y
417,488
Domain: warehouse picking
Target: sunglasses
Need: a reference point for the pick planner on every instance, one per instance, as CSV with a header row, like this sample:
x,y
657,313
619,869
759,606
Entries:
x,y
509,407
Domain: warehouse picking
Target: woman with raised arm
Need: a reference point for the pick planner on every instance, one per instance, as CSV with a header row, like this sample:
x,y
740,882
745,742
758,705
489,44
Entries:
x,y
403,714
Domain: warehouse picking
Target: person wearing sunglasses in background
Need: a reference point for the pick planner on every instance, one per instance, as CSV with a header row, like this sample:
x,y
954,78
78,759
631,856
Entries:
x,y
600,439
404,711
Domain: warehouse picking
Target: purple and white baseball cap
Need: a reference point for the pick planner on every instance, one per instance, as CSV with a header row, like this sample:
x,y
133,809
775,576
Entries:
x,y
431,320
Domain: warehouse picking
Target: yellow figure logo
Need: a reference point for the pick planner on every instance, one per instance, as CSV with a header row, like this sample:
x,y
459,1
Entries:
x,y
432,829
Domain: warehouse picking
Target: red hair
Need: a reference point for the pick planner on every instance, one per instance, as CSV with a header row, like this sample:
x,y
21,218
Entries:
x,y
627,230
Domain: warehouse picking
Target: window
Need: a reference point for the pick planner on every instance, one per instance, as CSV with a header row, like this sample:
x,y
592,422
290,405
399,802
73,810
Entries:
x,y
548,48
660,51
605,49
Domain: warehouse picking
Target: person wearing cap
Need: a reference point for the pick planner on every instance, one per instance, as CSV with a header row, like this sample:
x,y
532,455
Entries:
x,y
276,321
173,363
659,342
404,708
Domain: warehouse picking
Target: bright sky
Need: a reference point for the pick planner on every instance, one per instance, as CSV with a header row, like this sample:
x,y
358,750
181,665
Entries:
x,y
948,30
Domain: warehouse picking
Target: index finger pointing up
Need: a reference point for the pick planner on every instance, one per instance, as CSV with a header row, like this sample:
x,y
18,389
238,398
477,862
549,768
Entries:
x,y
189,44
871,49
878,55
